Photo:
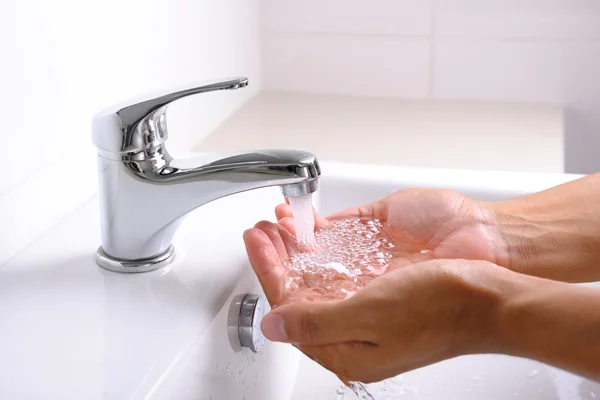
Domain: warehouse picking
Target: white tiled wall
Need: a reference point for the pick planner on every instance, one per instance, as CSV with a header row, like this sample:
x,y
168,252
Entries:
x,y
549,19
497,50
499,70
65,60
354,47
331,63
358,17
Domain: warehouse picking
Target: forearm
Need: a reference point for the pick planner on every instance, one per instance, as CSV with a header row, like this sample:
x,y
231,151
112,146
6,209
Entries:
x,y
553,322
555,233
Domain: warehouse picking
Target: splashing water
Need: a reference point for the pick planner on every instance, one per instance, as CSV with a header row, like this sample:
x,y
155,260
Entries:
x,y
343,259
388,389
304,219
336,262
357,388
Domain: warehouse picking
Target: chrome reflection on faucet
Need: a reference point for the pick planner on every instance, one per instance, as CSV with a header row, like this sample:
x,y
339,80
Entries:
x,y
145,193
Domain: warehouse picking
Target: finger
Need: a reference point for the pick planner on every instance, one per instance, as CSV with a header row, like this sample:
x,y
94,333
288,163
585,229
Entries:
x,y
288,224
315,323
285,211
321,222
274,234
366,211
266,264
288,241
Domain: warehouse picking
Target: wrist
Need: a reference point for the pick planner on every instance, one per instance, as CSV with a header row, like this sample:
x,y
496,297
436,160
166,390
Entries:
x,y
552,322
552,234
512,229
540,239
512,325
498,301
484,292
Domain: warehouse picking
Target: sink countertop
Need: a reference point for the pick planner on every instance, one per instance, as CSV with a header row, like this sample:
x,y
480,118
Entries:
x,y
434,134
71,330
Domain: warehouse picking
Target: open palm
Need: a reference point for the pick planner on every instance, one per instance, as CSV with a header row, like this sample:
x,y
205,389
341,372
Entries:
x,y
425,224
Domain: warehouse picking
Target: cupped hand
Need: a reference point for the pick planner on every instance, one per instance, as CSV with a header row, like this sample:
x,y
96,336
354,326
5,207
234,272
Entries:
x,y
415,314
405,319
426,224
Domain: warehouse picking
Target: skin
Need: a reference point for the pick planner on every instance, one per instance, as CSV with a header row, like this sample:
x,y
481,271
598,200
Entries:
x,y
496,280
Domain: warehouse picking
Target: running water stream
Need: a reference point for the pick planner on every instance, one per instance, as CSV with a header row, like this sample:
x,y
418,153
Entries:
x,y
335,262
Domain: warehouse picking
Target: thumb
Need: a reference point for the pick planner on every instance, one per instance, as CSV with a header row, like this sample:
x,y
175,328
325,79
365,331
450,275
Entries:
x,y
312,323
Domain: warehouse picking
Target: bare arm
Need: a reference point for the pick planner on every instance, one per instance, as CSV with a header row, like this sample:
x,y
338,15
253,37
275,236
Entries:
x,y
554,233
553,322
419,314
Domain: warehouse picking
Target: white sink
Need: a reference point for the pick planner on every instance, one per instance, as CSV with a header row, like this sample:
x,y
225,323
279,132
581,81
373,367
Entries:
x,y
71,330
475,377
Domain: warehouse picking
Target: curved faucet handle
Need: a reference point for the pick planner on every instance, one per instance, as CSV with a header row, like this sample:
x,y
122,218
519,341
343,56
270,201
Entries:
x,y
139,124
136,111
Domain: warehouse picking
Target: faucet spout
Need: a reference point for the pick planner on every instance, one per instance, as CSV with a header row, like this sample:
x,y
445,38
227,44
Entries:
x,y
136,235
136,173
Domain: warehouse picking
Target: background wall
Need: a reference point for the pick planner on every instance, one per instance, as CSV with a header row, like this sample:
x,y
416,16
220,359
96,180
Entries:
x,y
65,60
496,50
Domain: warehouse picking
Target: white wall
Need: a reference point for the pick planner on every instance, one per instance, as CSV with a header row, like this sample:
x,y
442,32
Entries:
x,y
498,50
62,61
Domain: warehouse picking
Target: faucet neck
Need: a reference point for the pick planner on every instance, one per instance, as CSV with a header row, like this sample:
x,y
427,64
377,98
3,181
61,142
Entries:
x,y
145,196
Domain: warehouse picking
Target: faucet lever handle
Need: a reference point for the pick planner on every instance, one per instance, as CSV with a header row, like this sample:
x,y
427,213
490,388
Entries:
x,y
114,130
135,112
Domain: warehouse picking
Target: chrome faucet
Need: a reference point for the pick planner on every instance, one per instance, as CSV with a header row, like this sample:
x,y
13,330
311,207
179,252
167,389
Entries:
x,y
145,193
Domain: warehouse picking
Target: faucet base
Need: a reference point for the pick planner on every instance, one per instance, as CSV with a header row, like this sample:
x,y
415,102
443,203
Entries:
x,y
134,266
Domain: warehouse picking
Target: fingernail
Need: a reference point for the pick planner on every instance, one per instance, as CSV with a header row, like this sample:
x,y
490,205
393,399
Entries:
x,y
272,327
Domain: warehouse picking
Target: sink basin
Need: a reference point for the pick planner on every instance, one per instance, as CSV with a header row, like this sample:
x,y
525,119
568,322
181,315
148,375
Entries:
x,y
474,377
71,330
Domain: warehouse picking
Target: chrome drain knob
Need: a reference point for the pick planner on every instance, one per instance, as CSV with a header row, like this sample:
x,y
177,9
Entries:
x,y
243,323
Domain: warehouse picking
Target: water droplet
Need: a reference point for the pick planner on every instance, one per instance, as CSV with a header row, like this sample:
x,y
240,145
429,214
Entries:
x,y
346,255
533,373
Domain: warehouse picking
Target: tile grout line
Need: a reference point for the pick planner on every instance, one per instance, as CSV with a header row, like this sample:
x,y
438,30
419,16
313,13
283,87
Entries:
x,y
332,33
424,36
